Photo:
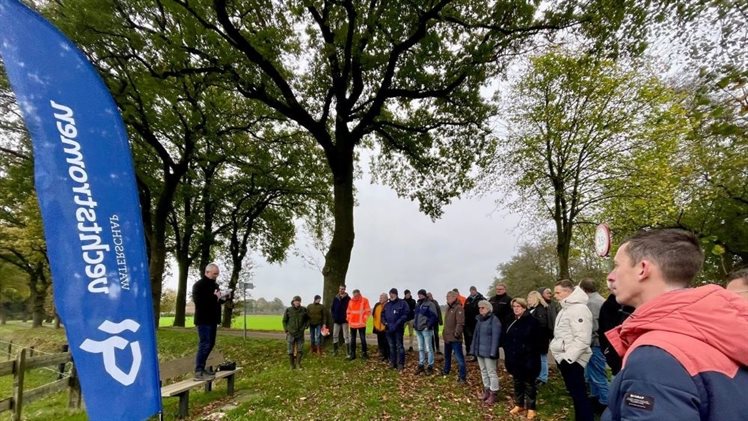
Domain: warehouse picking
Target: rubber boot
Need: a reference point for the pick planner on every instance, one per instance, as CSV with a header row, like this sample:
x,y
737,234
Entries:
x,y
335,349
491,398
351,353
298,360
293,361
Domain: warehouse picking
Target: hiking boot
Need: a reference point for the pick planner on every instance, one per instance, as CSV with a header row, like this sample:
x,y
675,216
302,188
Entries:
x,y
491,398
429,370
400,368
298,360
365,355
419,370
461,381
335,349
293,361
203,376
486,392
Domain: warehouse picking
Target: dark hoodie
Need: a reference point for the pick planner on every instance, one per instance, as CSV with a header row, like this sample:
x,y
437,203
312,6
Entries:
x,y
685,357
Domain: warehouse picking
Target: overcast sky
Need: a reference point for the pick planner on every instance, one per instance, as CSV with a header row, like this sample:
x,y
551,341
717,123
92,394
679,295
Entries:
x,y
397,246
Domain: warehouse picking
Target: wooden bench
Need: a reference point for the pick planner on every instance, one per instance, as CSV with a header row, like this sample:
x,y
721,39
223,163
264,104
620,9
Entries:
x,y
185,367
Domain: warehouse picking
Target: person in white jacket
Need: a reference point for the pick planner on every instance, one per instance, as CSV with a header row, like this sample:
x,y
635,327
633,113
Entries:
x,y
570,346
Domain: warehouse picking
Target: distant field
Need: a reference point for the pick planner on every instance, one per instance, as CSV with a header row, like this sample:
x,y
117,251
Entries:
x,y
271,322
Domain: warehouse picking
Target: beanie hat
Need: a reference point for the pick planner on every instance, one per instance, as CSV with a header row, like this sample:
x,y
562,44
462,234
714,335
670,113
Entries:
x,y
393,291
296,298
317,297
422,292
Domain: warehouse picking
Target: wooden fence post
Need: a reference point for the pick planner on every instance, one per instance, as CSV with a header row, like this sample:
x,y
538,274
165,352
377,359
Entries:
x,y
74,397
18,385
61,367
10,350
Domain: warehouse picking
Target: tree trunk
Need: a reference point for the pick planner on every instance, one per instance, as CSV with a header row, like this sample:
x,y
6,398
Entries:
x,y
338,256
228,308
179,310
156,270
563,246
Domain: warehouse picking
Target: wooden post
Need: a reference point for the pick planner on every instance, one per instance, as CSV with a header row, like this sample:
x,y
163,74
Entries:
x,y
61,367
18,385
74,397
10,350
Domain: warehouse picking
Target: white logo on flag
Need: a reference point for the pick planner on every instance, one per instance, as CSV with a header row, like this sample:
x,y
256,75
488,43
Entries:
x,y
106,347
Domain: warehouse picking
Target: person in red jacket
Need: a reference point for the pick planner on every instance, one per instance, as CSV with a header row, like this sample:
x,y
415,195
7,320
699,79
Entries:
x,y
684,349
357,314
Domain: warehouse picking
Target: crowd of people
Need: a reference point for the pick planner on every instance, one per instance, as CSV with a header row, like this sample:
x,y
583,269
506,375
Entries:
x,y
674,358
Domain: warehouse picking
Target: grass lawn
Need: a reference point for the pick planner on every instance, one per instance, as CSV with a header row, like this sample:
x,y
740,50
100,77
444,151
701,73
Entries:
x,y
329,388
269,322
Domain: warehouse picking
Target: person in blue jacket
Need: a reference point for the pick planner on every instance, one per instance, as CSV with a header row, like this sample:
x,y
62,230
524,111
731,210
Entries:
x,y
685,350
395,315
485,347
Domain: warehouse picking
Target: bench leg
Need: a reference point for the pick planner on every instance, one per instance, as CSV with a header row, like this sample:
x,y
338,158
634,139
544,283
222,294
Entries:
x,y
230,384
184,400
208,386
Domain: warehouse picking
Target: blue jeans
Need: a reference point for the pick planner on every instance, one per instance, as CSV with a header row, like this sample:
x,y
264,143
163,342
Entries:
x,y
457,348
543,377
315,334
397,351
425,349
206,341
596,375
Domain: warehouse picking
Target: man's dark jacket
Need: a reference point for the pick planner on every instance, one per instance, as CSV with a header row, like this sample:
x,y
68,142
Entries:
x,y
207,306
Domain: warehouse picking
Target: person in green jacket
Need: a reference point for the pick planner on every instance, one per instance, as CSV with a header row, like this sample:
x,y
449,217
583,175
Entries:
x,y
318,318
295,322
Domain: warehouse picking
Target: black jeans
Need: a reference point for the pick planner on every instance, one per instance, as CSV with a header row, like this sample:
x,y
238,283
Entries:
x,y
525,392
574,379
207,340
384,347
362,333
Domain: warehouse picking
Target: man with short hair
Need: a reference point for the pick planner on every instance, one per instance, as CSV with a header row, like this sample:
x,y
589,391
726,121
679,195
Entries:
x,y
502,306
454,323
317,319
738,282
571,344
339,312
684,348
395,314
208,299
595,373
358,311
409,324
424,323
471,312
